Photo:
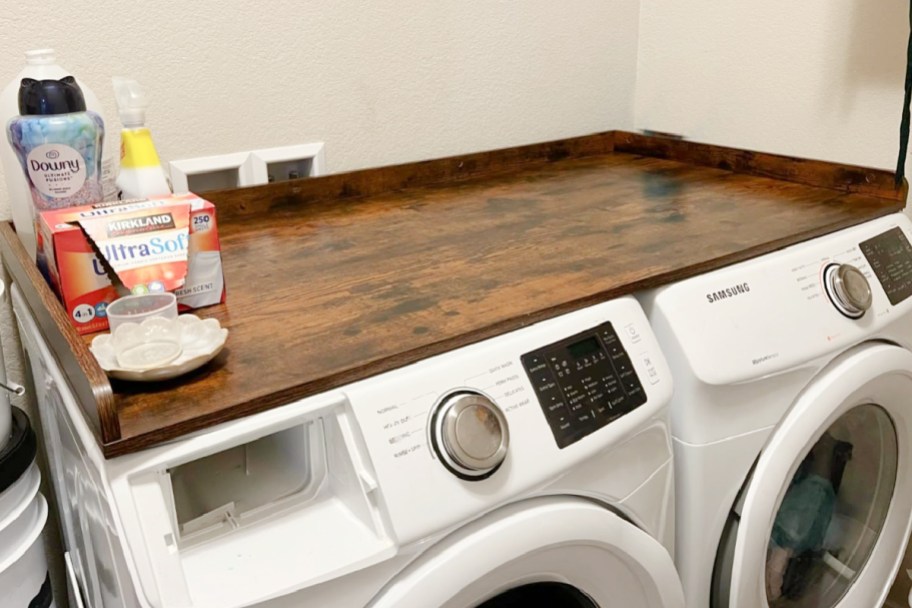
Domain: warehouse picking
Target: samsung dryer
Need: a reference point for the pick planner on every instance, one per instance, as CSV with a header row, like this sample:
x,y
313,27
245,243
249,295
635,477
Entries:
x,y
792,421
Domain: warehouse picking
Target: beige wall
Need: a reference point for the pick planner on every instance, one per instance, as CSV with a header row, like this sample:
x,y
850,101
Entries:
x,y
817,78
379,82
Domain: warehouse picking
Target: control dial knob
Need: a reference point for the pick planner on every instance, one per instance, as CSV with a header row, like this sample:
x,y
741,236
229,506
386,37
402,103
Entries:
x,y
848,289
470,435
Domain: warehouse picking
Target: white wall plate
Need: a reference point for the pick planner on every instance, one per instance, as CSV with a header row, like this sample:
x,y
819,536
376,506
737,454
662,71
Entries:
x,y
212,172
288,162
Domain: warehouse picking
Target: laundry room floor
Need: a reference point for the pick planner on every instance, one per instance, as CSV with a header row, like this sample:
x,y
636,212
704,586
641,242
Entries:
x,y
899,593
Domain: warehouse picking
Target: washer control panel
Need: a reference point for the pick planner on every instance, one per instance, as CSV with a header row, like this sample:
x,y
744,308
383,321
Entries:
x,y
890,257
466,431
583,383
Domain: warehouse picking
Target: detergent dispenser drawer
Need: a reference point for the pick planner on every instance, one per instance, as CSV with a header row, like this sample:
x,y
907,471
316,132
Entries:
x,y
220,515
247,481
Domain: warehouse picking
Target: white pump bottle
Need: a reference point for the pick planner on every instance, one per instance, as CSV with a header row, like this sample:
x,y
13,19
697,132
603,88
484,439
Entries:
x,y
141,174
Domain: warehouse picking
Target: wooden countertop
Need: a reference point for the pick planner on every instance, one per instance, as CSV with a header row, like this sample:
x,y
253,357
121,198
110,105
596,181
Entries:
x,y
338,278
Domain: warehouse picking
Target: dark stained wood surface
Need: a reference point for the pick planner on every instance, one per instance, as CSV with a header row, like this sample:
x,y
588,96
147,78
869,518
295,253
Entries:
x,y
863,180
326,288
331,189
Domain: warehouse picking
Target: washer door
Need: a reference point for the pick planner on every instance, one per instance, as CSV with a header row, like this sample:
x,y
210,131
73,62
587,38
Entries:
x,y
826,513
568,551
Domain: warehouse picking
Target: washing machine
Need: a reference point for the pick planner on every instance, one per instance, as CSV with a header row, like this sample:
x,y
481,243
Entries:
x,y
792,421
531,469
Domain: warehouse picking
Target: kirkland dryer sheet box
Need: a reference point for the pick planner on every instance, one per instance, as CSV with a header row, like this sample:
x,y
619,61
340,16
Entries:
x,y
147,245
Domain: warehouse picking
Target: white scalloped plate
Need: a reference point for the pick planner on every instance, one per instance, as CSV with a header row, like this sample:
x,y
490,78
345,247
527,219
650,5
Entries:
x,y
201,340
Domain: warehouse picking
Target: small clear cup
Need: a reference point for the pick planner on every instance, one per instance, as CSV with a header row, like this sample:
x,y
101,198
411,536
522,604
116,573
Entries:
x,y
135,309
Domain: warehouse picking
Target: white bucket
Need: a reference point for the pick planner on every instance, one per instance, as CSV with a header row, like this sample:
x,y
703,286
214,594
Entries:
x,y
16,497
24,581
23,564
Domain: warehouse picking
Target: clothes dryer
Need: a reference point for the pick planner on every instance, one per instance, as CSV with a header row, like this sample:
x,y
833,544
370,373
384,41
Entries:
x,y
792,421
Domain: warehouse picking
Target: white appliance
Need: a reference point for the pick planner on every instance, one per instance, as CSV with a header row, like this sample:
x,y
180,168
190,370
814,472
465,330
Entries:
x,y
532,467
792,421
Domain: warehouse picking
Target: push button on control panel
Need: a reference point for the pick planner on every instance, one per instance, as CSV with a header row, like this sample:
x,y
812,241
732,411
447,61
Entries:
x,y
651,373
550,397
584,382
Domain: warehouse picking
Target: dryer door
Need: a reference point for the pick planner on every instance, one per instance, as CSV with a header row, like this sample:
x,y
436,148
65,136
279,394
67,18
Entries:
x,y
825,516
556,551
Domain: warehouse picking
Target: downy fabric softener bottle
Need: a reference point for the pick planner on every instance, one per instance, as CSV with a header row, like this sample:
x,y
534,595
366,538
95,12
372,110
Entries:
x,y
58,144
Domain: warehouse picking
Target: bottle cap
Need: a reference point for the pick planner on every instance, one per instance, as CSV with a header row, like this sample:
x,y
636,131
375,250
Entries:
x,y
131,102
40,57
44,97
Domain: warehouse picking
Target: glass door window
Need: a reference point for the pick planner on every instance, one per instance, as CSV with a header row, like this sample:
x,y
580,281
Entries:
x,y
833,511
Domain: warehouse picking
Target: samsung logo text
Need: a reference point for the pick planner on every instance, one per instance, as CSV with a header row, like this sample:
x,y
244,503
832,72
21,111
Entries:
x,y
728,292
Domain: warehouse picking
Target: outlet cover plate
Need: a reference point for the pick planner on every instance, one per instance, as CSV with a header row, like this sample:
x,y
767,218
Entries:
x,y
220,171
309,158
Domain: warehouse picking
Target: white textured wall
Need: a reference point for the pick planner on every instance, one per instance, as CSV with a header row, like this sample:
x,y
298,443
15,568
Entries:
x,y
380,82
816,78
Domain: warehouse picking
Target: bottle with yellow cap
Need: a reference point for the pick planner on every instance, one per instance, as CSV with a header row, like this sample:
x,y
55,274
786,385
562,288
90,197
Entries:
x,y
141,174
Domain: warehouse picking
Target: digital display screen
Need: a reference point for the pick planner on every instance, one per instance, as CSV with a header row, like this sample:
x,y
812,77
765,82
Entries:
x,y
584,347
890,257
583,383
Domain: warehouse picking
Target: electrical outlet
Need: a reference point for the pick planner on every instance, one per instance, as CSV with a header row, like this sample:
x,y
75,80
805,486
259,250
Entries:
x,y
247,168
287,162
212,172
280,171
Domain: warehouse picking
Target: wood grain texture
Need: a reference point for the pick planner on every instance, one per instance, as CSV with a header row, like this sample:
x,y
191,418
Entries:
x,y
87,380
847,178
325,289
370,182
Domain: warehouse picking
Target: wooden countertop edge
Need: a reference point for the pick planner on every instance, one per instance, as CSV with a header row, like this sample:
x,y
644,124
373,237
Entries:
x,y
92,386
169,433
808,172
240,202
87,380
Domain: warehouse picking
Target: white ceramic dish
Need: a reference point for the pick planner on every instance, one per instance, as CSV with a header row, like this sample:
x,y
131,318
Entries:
x,y
158,348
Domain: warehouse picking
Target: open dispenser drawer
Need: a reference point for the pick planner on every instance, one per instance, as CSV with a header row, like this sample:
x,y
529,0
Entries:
x,y
220,516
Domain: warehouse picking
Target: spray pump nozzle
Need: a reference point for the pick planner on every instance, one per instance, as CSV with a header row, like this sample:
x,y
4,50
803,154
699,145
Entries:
x,y
131,102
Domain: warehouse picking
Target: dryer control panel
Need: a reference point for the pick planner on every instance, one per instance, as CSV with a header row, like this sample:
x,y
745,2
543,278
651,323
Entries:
x,y
583,383
890,257
779,311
